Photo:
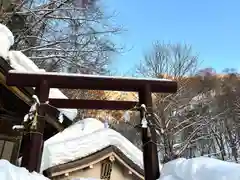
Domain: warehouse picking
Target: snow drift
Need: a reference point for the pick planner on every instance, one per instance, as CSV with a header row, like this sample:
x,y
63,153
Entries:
x,y
201,168
11,172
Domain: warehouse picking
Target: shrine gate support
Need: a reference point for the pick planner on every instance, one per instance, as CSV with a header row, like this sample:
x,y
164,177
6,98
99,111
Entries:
x,y
44,81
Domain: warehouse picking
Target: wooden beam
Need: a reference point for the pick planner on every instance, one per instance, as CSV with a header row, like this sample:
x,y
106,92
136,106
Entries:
x,y
81,81
14,90
92,104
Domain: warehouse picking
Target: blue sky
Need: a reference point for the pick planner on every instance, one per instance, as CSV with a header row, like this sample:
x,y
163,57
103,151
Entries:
x,y
212,27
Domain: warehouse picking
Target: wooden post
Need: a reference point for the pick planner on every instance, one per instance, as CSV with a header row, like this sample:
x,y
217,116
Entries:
x,y
33,147
150,156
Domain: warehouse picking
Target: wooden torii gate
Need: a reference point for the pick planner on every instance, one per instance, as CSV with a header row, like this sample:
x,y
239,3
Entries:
x,y
44,81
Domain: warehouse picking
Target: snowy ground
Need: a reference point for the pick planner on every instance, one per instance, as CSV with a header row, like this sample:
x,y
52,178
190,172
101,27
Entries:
x,y
11,172
201,168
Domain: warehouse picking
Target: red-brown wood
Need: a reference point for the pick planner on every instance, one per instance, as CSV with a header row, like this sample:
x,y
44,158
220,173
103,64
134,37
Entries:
x,y
32,153
92,104
144,87
150,155
79,81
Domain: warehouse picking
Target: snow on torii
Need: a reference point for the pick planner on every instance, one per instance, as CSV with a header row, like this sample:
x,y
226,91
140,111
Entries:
x,y
20,62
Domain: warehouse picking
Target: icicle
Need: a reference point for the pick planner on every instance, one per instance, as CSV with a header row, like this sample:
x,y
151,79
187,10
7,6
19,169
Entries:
x,y
126,116
60,117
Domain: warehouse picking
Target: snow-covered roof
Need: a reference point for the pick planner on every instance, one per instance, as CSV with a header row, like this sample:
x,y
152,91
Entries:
x,y
85,138
11,172
20,62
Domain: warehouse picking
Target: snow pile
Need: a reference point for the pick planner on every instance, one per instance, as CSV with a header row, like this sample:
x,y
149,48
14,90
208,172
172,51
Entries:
x,y
20,62
85,138
80,128
11,172
201,168
6,39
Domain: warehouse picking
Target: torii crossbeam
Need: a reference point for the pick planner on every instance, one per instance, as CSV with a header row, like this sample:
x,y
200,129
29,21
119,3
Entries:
x,y
44,81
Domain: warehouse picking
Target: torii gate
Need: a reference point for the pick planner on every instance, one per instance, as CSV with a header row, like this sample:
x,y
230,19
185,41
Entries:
x,y
44,81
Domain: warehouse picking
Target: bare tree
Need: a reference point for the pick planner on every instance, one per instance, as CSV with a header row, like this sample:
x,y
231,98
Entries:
x,y
178,62
228,101
175,60
63,35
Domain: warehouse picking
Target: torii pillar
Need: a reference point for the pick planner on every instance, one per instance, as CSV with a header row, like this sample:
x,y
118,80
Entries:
x,y
33,147
149,144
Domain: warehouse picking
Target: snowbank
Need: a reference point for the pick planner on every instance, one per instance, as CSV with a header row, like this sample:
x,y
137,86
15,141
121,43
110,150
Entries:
x,y
85,138
11,172
201,168
20,62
